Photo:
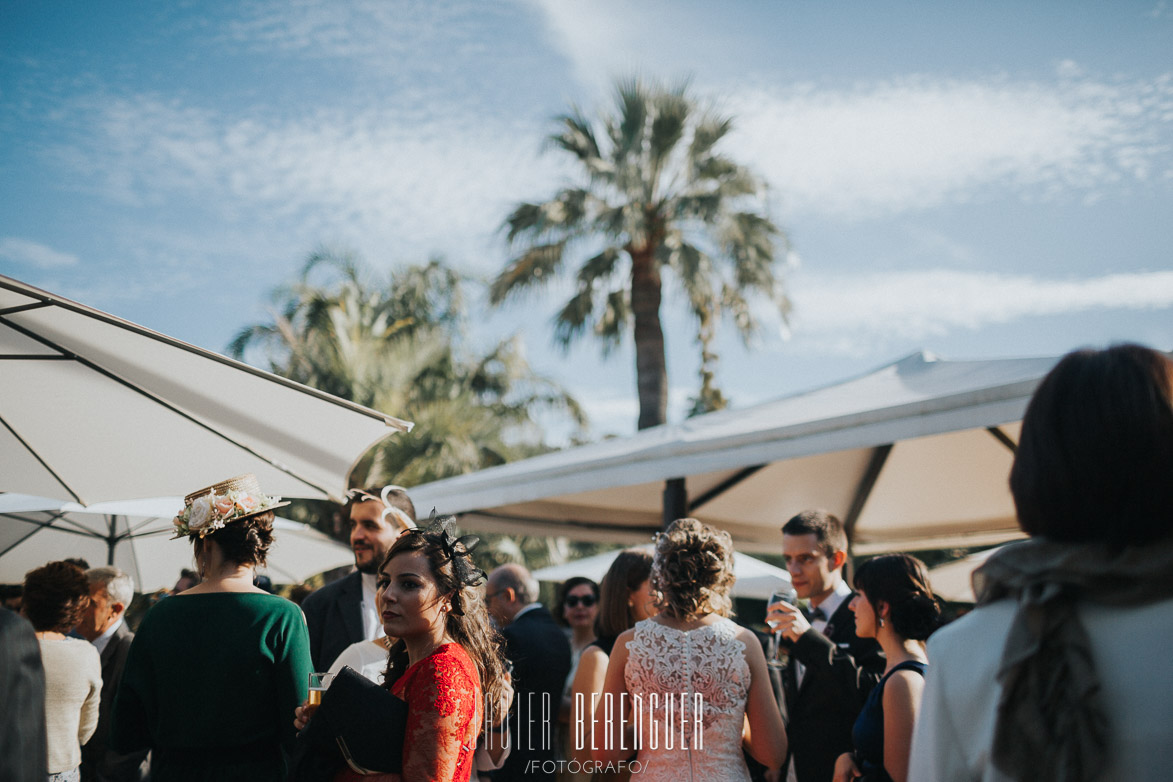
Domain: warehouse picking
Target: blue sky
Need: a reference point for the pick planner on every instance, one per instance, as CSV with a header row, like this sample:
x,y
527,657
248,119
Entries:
x,y
977,180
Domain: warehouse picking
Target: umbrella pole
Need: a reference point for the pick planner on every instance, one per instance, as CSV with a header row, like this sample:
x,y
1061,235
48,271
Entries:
x,y
675,500
111,540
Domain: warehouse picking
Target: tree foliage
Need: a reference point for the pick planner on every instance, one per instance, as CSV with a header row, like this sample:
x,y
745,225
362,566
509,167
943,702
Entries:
x,y
653,196
395,343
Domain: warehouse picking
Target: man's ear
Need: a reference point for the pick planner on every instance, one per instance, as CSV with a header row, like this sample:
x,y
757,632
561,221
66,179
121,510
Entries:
x,y
510,595
838,559
117,608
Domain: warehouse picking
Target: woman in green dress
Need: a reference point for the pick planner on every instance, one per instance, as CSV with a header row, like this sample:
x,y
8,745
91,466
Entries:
x,y
214,673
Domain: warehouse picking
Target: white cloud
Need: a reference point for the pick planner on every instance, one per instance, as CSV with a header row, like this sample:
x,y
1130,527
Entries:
x,y
29,253
393,186
861,313
903,146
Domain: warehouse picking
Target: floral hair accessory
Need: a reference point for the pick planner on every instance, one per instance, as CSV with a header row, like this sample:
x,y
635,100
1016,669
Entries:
x,y
209,509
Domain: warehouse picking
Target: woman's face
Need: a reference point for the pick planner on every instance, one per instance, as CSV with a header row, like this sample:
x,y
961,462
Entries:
x,y
865,615
411,603
643,601
575,611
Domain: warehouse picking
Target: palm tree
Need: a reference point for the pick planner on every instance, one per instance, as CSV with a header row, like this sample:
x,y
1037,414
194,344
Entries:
x,y
655,196
395,344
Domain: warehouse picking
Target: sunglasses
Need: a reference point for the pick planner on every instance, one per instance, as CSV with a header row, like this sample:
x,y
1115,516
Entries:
x,y
586,600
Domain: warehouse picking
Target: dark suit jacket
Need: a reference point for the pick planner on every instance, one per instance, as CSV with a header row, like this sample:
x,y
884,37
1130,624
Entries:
x,y
540,652
841,669
334,616
24,751
97,764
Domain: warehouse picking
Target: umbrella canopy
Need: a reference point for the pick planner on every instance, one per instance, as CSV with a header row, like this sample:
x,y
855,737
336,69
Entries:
x,y
755,579
135,536
954,580
911,456
95,408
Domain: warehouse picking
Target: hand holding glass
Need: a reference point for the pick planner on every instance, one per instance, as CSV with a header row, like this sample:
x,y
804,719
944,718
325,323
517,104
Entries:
x,y
780,656
319,682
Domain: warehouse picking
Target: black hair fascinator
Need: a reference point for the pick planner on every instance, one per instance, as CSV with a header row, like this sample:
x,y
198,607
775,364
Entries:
x,y
457,550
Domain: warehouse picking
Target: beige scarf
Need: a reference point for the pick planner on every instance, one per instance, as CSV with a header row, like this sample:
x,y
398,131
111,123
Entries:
x,y
1051,725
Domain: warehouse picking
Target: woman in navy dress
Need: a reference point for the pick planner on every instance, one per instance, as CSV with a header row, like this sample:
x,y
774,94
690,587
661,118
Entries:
x,y
895,606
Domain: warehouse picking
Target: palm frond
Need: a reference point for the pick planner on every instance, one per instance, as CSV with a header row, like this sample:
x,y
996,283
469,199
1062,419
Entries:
x,y
533,267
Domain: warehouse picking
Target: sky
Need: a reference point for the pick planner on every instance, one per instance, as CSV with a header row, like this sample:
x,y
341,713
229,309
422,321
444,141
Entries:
x,y
976,180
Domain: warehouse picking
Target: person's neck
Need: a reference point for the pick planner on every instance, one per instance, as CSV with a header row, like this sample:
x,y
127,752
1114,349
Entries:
x,y
228,577
49,635
898,650
819,599
421,645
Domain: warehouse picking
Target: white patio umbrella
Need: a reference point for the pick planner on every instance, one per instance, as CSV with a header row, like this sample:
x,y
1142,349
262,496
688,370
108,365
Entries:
x,y
135,535
912,456
954,580
755,579
95,408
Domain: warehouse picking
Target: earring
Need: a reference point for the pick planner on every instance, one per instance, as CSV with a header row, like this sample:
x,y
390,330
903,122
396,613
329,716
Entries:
x,y
881,621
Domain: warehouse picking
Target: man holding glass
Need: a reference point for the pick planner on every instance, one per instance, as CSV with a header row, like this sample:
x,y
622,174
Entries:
x,y
831,669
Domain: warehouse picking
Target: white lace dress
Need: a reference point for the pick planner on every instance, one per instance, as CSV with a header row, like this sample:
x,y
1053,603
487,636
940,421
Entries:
x,y
687,693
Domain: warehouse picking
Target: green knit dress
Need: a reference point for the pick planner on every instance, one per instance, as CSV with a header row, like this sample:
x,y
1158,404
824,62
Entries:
x,y
210,686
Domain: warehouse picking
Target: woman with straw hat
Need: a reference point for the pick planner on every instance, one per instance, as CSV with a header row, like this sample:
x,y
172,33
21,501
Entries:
x,y
215,672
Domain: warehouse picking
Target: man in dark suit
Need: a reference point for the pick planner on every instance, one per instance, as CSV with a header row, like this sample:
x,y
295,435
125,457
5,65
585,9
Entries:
x,y
832,670
540,653
24,751
343,612
103,625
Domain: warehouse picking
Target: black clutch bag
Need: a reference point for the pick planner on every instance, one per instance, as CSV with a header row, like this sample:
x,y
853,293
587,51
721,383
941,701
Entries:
x,y
358,724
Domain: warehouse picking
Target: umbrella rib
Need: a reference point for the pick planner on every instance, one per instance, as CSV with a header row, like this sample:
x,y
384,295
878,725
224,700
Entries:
x,y
592,525
157,400
39,526
43,463
723,486
866,484
1003,438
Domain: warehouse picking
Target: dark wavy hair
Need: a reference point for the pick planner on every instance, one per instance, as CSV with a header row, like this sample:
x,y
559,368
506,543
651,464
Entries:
x,y
468,620
693,569
1095,458
564,590
55,596
245,542
631,568
900,581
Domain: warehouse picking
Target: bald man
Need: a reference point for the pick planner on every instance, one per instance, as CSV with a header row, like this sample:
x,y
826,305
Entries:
x,y
540,653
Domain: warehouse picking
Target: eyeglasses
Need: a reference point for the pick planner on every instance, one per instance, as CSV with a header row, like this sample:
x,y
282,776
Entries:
x,y
586,600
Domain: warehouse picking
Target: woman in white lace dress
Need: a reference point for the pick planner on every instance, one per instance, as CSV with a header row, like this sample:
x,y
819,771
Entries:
x,y
688,688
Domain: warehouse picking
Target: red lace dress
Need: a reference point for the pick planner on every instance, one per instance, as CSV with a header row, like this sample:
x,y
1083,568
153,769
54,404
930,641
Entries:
x,y
443,694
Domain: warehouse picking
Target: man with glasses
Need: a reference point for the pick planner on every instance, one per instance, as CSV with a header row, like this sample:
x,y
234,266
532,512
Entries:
x,y
540,653
344,612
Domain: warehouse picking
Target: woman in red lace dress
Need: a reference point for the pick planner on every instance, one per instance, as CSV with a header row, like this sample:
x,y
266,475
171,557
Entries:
x,y
447,664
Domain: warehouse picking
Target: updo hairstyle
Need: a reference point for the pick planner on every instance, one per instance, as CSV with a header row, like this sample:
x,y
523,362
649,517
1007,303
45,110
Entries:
x,y
244,541
900,581
55,596
693,569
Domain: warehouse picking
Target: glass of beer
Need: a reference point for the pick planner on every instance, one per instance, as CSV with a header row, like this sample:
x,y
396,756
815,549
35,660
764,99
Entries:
x,y
780,653
318,684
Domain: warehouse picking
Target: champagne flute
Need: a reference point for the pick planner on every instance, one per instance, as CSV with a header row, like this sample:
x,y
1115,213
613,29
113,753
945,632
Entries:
x,y
319,682
780,657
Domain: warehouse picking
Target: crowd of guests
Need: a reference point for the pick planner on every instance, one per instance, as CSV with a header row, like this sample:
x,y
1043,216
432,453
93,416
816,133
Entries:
x,y
1055,675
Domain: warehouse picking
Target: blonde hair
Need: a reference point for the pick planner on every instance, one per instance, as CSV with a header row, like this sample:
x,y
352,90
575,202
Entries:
x,y
693,569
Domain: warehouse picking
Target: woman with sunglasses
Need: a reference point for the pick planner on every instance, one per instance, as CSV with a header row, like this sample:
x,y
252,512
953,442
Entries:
x,y
577,609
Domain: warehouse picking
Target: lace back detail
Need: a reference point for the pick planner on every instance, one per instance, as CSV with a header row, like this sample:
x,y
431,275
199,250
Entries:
x,y
670,673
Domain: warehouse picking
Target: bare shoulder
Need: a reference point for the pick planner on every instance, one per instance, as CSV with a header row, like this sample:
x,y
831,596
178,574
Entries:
x,y
903,686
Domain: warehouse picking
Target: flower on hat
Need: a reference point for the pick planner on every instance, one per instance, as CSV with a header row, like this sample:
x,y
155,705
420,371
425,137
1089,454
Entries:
x,y
210,512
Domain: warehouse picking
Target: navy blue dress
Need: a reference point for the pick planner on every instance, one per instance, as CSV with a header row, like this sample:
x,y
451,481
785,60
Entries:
x,y
868,733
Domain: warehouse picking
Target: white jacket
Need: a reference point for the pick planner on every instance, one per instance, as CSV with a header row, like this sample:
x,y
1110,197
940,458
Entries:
x,y
1133,651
